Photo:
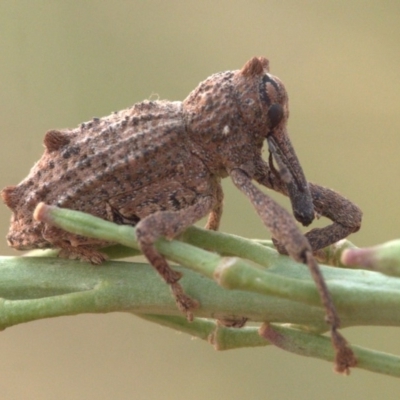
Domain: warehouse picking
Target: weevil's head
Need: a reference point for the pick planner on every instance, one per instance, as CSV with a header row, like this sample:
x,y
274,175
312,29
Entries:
x,y
232,114
263,103
262,97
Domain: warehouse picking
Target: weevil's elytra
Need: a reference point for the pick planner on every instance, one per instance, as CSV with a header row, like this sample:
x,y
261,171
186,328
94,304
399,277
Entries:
x,y
158,165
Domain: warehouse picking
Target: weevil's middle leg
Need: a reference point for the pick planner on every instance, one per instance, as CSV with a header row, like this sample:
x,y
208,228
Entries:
x,y
170,224
214,218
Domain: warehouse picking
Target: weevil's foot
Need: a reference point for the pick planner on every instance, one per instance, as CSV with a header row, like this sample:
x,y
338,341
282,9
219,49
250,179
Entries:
x,y
82,253
233,322
184,302
280,248
344,358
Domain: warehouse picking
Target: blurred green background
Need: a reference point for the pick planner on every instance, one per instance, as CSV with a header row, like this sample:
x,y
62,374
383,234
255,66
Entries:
x,y
63,62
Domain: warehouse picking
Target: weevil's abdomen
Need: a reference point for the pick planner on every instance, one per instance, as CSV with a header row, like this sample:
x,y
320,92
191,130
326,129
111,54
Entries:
x,y
95,164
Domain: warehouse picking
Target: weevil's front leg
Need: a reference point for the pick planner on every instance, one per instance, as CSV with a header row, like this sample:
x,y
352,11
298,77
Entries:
x,y
284,229
346,217
344,214
275,218
170,224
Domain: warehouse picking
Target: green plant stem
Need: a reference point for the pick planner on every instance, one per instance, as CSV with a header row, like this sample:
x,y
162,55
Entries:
x,y
232,245
292,340
266,287
221,337
311,345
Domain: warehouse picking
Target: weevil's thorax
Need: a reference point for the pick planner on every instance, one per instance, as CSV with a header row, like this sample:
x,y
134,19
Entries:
x,y
212,120
227,115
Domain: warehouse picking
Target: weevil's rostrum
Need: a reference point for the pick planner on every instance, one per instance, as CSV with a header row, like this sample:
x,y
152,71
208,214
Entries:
x,y
158,165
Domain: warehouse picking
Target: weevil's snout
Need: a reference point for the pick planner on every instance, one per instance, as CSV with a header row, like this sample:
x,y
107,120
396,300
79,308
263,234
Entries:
x,y
290,170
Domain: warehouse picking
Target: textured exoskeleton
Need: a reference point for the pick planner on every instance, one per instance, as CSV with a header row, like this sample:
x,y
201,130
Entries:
x,y
158,165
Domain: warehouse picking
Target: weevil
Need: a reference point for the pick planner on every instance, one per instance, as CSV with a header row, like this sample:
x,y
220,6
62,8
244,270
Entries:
x,y
158,166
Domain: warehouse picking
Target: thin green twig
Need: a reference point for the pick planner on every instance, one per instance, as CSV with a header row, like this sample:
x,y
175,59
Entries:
x,y
264,286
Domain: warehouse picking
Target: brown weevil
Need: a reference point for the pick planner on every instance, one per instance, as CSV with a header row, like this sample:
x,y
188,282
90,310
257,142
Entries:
x,y
158,166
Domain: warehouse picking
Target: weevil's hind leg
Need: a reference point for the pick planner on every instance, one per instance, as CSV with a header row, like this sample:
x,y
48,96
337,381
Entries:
x,y
72,246
170,224
283,227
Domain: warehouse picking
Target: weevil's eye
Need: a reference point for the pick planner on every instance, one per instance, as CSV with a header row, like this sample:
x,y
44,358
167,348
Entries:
x,y
275,115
